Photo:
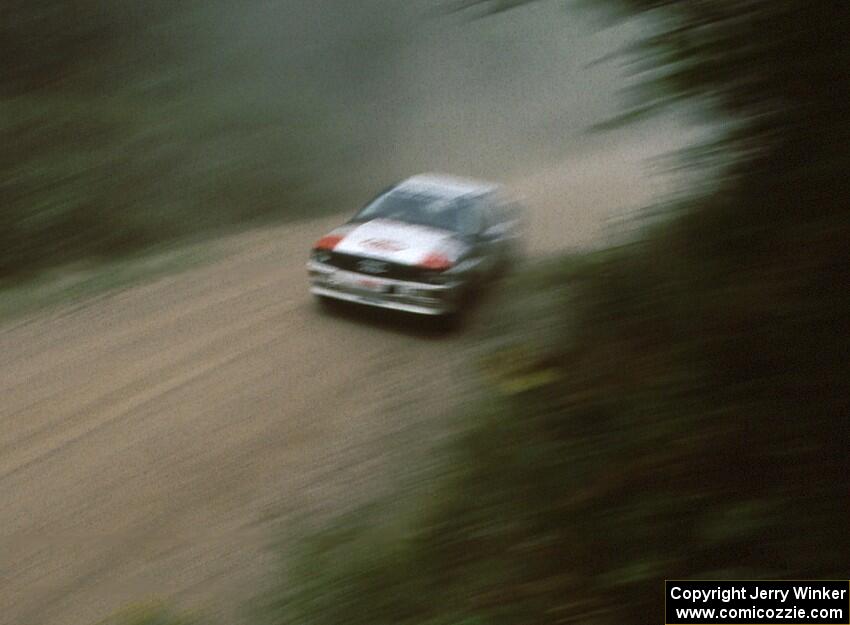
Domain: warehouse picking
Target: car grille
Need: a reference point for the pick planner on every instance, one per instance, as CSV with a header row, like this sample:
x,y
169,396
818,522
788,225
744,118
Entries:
x,y
395,271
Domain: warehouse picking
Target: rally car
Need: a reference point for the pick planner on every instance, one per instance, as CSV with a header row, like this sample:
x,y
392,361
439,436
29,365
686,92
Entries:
x,y
421,246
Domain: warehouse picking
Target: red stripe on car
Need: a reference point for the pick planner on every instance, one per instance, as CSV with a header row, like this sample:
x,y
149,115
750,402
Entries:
x,y
436,261
328,242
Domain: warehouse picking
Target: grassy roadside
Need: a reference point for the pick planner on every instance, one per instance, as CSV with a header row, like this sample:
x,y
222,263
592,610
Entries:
x,y
70,285
75,283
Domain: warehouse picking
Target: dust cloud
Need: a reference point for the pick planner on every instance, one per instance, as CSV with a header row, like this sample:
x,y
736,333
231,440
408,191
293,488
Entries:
x,y
380,90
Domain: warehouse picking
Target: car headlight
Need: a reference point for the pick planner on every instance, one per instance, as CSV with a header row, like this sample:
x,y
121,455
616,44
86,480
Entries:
x,y
321,256
441,278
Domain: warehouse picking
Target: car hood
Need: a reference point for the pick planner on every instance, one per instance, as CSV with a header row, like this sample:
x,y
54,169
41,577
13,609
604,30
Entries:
x,y
399,242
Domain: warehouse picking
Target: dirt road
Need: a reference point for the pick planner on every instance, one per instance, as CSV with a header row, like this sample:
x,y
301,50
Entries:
x,y
145,437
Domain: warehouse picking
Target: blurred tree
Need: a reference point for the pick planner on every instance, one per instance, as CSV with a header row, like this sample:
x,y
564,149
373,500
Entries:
x,y
124,124
774,71
749,282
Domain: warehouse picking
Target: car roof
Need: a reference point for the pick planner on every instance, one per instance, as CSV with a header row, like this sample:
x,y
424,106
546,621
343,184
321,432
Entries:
x,y
445,185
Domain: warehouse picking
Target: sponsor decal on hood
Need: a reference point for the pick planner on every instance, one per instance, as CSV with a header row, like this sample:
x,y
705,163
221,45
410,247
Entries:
x,y
399,242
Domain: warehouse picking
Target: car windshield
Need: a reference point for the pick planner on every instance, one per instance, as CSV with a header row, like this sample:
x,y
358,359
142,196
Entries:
x,y
423,209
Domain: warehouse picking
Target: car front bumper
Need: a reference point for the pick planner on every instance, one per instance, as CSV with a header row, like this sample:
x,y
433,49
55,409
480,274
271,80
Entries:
x,y
411,297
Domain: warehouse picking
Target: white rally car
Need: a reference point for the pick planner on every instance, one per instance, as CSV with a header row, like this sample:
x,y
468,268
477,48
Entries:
x,y
419,247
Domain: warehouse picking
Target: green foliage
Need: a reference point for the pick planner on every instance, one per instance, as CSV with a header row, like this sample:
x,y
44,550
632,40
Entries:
x,y
121,127
362,570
